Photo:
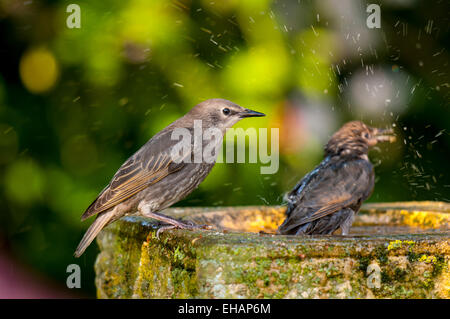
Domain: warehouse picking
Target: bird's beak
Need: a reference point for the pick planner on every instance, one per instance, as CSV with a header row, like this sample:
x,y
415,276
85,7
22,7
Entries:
x,y
384,135
250,113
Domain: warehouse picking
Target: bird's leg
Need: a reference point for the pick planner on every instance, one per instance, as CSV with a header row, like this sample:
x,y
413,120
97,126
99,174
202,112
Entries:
x,y
345,226
164,228
145,210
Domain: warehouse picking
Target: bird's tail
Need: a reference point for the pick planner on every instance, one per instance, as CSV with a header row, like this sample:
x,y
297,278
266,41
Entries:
x,y
92,232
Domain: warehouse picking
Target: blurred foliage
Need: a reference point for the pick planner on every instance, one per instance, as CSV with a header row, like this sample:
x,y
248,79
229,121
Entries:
x,y
75,103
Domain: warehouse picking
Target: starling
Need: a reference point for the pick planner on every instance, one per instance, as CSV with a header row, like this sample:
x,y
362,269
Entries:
x,y
328,197
157,176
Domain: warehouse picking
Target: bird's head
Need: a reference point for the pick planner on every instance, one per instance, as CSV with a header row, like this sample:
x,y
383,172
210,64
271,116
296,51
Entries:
x,y
355,138
220,113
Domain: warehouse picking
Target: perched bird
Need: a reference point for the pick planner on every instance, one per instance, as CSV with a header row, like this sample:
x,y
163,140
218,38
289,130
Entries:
x,y
159,175
328,197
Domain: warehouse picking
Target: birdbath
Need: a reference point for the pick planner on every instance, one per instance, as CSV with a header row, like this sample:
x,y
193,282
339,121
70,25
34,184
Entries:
x,y
394,250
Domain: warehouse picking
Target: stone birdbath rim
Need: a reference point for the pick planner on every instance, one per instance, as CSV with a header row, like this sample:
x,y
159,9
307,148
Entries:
x,y
407,242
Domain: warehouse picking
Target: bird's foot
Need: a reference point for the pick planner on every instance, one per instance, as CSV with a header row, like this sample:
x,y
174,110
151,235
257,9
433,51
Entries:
x,y
172,222
189,225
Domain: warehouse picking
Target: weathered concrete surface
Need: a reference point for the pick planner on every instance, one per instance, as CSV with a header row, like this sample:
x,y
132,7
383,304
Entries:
x,y
396,250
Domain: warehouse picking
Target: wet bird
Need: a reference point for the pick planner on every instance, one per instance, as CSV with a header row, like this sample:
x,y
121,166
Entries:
x,y
328,197
165,170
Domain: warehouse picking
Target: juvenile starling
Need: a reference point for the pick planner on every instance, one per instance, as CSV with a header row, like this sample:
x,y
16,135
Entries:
x,y
157,176
328,197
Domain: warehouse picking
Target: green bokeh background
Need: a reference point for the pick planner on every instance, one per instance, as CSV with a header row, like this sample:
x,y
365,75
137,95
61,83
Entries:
x,y
75,103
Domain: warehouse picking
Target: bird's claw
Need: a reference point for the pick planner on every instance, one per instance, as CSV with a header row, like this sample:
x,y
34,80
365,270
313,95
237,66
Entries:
x,y
190,225
164,228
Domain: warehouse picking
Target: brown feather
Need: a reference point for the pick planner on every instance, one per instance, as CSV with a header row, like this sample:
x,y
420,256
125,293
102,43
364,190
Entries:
x,y
135,175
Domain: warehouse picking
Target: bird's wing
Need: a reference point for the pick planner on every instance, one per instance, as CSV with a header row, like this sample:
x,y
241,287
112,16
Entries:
x,y
147,166
332,188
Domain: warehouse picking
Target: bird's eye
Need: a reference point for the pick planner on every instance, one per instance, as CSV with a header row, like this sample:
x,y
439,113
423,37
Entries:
x,y
226,111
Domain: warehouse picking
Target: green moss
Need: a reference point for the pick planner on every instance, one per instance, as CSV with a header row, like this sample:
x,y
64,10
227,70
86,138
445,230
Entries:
x,y
385,278
412,256
381,254
400,274
427,281
363,263
396,244
178,255
439,266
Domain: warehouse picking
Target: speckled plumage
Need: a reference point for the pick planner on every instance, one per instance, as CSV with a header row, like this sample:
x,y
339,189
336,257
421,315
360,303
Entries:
x,y
328,197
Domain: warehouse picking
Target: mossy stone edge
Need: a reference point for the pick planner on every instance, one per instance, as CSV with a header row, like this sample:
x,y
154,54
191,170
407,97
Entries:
x,y
133,263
